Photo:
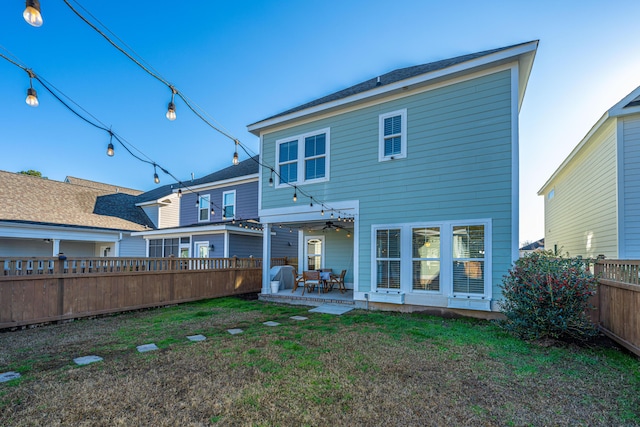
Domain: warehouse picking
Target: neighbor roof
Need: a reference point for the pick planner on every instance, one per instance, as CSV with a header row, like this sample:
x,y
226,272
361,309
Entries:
x,y
31,199
245,167
101,186
633,102
392,77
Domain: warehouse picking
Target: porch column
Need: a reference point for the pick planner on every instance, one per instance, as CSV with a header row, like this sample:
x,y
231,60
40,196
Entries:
x,y
266,258
116,248
56,247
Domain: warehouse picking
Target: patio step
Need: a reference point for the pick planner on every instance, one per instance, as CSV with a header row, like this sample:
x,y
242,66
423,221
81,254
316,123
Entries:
x,y
304,300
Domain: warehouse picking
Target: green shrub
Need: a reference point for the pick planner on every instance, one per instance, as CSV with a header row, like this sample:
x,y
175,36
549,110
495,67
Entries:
x,y
547,297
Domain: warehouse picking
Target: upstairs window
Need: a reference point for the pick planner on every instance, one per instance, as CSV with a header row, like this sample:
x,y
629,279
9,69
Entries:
x,y
393,135
288,161
204,208
229,204
314,156
303,158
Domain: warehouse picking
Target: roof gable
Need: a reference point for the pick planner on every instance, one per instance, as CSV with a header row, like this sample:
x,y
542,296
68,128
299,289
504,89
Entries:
x,y
397,79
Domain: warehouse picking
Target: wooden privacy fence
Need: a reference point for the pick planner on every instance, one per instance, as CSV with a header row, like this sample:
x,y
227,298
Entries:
x,y
618,301
38,290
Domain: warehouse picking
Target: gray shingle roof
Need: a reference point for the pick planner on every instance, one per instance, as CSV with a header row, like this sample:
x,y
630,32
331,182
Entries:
x,y
392,77
245,167
31,199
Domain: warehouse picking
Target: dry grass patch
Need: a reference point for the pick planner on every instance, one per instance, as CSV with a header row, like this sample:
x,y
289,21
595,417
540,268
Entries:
x,y
362,368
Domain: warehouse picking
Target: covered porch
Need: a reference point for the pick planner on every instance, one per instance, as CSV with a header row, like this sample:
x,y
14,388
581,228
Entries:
x,y
327,242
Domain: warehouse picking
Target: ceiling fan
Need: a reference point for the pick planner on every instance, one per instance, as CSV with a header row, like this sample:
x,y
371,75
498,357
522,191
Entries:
x,y
330,225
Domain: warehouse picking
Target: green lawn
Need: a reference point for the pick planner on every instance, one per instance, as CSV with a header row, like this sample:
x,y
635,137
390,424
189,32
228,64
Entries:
x,y
362,368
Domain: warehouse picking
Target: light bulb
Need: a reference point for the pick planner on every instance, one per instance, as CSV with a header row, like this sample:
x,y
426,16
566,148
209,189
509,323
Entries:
x,y
295,196
32,13
110,151
179,193
156,178
235,158
32,97
270,181
171,111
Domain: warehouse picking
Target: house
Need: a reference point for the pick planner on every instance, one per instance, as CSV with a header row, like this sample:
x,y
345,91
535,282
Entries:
x,y
592,201
215,216
537,246
409,181
41,218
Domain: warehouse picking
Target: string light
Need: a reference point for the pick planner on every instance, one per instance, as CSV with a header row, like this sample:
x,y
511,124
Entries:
x,y
32,13
110,151
322,211
271,179
179,193
171,109
295,194
156,178
32,96
235,154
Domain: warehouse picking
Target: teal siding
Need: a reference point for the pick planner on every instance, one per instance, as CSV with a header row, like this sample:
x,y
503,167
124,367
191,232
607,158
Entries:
x,y
458,164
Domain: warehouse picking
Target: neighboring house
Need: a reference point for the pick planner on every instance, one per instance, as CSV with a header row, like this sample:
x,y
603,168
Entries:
x,y
592,201
424,160
537,246
215,216
41,218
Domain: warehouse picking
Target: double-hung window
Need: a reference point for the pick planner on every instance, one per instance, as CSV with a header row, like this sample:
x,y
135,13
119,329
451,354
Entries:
x,y
204,208
468,259
303,158
393,135
388,259
288,161
229,204
425,244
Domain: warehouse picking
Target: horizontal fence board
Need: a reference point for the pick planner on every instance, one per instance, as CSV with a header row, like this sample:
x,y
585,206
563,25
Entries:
x,y
41,290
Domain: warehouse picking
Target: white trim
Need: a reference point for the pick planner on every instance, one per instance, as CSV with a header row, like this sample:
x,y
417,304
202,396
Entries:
x,y
521,52
225,183
515,166
40,231
226,244
194,231
224,193
304,212
403,135
620,191
200,209
300,159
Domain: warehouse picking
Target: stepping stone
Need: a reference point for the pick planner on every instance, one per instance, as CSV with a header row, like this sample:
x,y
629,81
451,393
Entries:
x,y
8,376
235,331
147,347
270,323
196,338
331,309
85,360
298,318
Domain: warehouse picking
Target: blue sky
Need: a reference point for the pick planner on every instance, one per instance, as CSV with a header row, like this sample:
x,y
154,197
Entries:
x,y
242,61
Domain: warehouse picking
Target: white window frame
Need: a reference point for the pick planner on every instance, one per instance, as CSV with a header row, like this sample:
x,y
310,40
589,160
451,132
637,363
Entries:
x,y
300,160
224,205
197,246
200,208
403,135
446,257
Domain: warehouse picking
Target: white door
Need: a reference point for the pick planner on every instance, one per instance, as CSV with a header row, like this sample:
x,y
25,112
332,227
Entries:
x,y
202,249
314,252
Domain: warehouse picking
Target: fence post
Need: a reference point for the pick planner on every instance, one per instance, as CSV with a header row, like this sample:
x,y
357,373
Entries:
x,y
60,270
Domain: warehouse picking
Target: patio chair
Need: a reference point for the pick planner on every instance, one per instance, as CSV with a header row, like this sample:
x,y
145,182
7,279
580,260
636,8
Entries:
x,y
298,279
338,280
311,280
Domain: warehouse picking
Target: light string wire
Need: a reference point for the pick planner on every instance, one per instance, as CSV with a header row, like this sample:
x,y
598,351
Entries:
x,y
99,125
198,111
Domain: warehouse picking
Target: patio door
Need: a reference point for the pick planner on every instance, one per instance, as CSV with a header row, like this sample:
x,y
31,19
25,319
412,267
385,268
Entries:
x,y
202,249
314,252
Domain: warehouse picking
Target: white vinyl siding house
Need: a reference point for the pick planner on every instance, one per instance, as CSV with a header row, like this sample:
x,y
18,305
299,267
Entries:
x,y
592,201
436,160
